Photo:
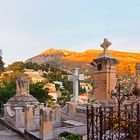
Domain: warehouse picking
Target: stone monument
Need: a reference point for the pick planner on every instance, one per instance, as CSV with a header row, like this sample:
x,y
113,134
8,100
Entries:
x,y
22,97
75,77
104,74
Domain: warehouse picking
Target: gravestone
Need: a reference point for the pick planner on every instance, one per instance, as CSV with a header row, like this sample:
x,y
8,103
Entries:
x,y
75,77
104,74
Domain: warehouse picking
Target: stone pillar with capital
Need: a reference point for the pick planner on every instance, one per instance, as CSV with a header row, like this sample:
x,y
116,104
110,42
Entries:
x,y
19,117
46,125
29,117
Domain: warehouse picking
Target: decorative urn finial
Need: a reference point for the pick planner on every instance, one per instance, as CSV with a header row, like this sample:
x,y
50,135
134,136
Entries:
x,y
22,85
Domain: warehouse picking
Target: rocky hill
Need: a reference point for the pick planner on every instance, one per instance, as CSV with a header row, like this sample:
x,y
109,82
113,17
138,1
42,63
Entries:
x,y
69,60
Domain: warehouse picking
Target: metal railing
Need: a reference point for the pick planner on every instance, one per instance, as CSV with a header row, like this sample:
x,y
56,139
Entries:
x,y
121,122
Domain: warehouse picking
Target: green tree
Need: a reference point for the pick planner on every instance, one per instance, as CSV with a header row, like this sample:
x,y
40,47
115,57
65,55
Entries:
x,y
37,90
54,74
7,91
35,66
65,97
16,66
1,65
40,93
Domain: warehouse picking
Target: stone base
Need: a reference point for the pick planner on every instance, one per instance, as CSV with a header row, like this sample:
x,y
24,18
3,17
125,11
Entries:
x,y
106,102
22,101
76,101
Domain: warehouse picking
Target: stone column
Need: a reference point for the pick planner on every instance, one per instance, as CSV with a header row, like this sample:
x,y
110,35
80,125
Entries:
x,y
29,117
72,110
5,110
56,116
45,123
19,121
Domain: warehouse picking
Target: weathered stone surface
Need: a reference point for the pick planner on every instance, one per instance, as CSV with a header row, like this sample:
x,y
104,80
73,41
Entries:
x,y
6,134
22,100
104,75
22,96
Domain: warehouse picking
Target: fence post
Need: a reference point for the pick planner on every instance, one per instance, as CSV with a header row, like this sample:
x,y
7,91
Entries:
x,y
92,120
138,121
101,122
87,123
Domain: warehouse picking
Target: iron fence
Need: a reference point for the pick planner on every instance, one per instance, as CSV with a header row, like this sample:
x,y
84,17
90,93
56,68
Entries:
x,y
109,123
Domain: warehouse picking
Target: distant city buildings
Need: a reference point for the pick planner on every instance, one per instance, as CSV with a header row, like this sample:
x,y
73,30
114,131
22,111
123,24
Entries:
x,y
36,76
52,91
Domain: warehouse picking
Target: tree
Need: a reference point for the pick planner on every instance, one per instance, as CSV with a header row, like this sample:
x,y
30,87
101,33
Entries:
x,y
7,91
40,93
37,90
36,67
65,97
1,64
16,66
6,78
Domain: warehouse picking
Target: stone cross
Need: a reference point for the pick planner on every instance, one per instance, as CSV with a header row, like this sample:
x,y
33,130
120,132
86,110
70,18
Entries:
x,y
105,45
75,77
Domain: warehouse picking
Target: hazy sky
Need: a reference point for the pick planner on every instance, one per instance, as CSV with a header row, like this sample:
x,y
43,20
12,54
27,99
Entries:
x,y
28,27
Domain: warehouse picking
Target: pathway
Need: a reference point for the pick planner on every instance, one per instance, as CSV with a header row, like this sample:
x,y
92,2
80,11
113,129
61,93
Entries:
x,y
6,134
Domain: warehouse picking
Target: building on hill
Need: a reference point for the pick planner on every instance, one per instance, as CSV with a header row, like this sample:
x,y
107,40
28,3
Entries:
x,y
36,76
6,72
84,97
59,83
52,91
50,86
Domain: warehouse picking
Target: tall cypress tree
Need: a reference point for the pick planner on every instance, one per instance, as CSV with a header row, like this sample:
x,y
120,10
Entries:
x,y
1,63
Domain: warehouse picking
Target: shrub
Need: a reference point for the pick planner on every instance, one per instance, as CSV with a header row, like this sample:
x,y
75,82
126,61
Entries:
x,y
70,136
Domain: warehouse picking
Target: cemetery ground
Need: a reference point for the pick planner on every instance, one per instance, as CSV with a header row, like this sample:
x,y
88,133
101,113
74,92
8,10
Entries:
x,y
115,115
7,134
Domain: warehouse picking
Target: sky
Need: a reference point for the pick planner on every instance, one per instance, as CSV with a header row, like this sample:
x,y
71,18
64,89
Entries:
x,y
28,27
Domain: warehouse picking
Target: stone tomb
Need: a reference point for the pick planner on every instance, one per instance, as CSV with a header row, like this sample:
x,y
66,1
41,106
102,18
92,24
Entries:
x,y
22,96
104,75
39,121
14,108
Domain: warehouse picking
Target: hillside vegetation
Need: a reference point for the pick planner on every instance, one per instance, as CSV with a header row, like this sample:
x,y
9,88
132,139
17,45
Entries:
x,y
68,60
